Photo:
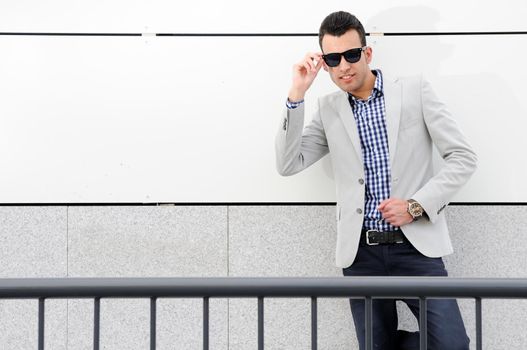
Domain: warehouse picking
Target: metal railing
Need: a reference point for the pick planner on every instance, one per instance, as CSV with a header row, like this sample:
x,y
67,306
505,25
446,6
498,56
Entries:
x,y
367,288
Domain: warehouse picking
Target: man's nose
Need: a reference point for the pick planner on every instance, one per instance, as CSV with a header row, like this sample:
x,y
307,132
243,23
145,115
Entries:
x,y
344,65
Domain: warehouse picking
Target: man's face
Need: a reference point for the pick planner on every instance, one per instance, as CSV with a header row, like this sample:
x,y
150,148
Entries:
x,y
350,77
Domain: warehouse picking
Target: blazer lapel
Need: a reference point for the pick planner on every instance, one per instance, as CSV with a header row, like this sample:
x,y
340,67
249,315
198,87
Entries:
x,y
348,119
392,101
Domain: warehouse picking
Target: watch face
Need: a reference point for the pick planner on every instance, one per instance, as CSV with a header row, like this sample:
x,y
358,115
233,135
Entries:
x,y
416,209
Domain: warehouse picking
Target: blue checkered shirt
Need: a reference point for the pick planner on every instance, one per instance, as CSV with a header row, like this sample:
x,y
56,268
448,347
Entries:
x,y
370,117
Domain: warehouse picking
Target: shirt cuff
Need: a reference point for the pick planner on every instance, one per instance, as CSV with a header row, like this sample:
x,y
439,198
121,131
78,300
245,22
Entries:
x,y
293,105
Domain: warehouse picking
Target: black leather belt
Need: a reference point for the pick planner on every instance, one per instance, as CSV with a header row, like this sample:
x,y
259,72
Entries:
x,y
374,237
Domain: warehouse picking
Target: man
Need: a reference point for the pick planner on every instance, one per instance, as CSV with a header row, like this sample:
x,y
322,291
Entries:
x,y
380,131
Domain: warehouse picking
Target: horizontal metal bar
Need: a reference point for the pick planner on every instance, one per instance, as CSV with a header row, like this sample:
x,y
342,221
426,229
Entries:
x,y
379,287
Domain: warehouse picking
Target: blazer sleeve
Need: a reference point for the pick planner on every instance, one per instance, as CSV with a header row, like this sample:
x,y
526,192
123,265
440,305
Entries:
x,y
460,159
297,147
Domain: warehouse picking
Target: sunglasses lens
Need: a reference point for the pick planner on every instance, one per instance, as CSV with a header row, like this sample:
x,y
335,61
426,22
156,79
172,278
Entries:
x,y
352,55
332,59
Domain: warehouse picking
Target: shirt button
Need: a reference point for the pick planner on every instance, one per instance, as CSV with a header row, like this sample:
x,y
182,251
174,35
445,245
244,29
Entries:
x,y
359,211
396,179
361,181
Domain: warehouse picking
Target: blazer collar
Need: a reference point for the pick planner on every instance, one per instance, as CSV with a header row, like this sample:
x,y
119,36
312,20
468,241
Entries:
x,y
392,101
346,115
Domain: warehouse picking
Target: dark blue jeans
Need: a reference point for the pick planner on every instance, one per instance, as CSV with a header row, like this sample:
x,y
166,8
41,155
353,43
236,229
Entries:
x,y
446,330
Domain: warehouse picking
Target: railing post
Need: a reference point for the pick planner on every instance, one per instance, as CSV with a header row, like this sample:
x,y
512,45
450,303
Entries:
x,y
153,310
206,323
313,323
96,322
260,323
41,315
368,305
423,329
479,335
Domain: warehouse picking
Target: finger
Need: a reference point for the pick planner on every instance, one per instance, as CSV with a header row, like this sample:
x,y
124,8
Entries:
x,y
383,204
316,58
383,207
309,61
306,66
319,64
310,64
387,216
298,67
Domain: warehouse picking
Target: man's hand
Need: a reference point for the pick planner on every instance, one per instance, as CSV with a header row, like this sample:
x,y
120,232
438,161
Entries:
x,y
304,72
395,211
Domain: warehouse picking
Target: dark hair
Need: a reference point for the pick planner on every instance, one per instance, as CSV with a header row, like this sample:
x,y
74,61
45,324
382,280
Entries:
x,y
338,23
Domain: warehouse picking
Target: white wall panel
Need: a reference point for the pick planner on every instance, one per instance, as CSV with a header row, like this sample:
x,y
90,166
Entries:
x,y
107,119
117,119
272,16
481,79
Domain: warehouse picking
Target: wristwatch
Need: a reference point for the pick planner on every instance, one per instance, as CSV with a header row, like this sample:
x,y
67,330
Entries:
x,y
415,209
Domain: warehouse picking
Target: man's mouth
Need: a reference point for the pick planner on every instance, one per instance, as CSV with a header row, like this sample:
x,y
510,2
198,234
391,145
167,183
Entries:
x,y
347,76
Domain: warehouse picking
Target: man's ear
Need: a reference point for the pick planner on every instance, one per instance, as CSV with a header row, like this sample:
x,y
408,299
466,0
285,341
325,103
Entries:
x,y
369,54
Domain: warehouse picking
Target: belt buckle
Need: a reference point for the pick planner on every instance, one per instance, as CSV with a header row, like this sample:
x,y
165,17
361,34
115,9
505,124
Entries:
x,y
368,237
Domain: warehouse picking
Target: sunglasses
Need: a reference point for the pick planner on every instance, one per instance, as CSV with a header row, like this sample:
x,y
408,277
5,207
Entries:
x,y
352,56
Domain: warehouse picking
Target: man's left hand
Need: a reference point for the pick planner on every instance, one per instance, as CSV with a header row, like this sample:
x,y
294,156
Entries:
x,y
395,211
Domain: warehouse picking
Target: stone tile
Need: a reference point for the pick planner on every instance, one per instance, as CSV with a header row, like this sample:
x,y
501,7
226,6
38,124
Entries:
x,y
180,324
33,244
285,241
282,241
503,322
165,241
287,324
19,322
487,241
125,324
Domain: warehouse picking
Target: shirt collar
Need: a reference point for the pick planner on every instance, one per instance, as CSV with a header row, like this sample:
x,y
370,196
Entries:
x,y
378,88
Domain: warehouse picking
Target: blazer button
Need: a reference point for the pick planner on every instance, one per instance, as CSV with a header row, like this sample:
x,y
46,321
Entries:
x,y
359,211
361,181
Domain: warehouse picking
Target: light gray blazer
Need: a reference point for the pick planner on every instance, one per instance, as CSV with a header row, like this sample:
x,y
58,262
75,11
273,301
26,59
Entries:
x,y
416,120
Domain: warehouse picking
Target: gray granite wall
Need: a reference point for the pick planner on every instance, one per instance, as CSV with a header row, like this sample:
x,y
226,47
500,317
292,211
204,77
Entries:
x,y
170,241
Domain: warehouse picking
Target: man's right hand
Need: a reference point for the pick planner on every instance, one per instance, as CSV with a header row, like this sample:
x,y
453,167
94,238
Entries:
x,y
304,73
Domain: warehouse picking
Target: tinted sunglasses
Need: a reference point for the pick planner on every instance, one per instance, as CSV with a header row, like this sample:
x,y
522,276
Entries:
x,y
352,56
